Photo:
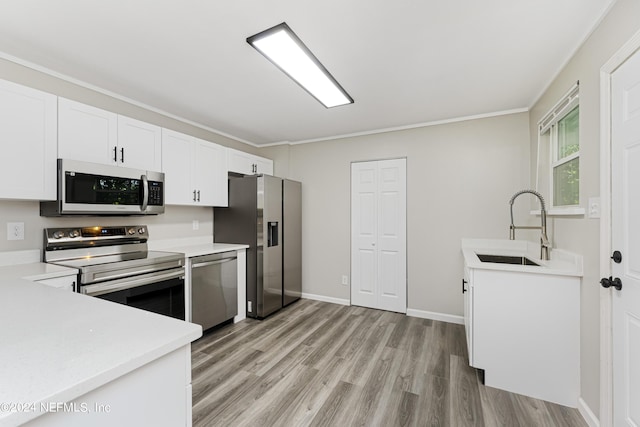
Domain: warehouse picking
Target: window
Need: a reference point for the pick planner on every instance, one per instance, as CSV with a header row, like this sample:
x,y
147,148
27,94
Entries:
x,y
559,153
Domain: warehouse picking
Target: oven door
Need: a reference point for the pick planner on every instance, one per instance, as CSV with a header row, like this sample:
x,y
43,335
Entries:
x,y
161,292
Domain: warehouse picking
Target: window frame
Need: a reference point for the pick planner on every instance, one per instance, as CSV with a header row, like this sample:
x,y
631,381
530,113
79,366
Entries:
x,y
548,134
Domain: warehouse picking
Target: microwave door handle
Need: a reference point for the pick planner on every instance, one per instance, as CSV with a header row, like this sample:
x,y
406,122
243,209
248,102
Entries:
x,y
145,193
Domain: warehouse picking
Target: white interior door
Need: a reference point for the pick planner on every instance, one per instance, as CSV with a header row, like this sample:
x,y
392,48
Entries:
x,y
625,211
378,234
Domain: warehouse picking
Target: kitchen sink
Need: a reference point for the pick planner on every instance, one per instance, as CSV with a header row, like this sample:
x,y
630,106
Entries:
x,y
506,259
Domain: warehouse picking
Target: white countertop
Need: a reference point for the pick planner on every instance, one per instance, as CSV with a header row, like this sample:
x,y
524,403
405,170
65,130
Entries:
x,y
35,271
194,247
27,265
562,263
57,346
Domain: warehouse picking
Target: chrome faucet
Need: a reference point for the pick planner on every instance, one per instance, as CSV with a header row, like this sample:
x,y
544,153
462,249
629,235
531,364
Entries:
x,y
545,246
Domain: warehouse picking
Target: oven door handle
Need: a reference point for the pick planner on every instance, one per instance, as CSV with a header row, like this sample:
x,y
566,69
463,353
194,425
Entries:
x,y
128,283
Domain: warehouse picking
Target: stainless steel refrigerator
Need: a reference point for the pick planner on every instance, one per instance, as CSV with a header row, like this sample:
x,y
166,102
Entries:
x,y
264,213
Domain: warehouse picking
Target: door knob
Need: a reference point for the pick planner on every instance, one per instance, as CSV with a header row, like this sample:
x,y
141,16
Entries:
x,y
616,257
607,283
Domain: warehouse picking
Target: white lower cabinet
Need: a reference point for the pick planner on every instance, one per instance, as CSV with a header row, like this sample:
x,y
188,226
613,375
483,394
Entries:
x,y
28,131
156,394
523,330
248,164
467,292
195,170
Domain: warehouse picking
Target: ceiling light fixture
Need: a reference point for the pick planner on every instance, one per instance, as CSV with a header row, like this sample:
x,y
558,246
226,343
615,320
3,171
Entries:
x,y
286,51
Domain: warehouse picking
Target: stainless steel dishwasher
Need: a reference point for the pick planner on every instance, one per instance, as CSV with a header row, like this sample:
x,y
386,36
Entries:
x,y
214,288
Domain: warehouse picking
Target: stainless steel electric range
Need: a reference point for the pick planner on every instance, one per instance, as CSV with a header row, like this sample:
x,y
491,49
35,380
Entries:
x,y
115,264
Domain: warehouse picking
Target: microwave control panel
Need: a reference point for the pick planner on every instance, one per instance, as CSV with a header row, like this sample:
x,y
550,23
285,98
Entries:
x,y
156,193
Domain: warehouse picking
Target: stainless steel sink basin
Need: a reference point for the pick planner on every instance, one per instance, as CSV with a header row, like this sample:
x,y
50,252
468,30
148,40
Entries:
x,y
505,259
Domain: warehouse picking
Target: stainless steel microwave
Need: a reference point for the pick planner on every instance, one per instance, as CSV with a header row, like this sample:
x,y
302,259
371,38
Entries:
x,y
95,189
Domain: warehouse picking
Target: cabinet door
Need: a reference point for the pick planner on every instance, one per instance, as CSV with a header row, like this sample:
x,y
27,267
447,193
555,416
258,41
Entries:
x,y
248,164
467,291
28,135
139,144
211,174
240,162
177,165
86,133
264,166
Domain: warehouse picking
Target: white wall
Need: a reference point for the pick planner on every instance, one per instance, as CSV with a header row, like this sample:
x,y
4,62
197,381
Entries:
x,y
580,234
176,222
460,177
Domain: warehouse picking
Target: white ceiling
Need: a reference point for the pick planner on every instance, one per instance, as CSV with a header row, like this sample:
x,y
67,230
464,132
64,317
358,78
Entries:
x,y
404,62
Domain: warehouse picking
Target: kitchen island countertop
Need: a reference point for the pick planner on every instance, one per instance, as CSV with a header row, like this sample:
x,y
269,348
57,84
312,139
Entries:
x,y
58,346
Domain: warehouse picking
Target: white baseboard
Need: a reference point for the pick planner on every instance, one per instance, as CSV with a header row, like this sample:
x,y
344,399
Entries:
x,y
410,311
450,318
587,413
326,299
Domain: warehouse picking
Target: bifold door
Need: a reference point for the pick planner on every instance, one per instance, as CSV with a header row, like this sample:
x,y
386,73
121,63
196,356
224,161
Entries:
x,y
379,234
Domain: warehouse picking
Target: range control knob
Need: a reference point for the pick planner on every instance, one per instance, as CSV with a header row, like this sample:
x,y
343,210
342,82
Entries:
x,y
74,233
58,234
141,230
131,231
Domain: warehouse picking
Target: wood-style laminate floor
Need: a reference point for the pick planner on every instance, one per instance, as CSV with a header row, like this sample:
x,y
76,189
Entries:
x,y
321,364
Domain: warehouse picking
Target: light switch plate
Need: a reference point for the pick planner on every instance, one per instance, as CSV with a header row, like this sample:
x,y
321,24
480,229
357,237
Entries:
x,y
593,209
15,231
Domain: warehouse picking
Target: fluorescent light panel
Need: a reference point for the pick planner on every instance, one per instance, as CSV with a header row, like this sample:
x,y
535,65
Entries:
x,y
286,51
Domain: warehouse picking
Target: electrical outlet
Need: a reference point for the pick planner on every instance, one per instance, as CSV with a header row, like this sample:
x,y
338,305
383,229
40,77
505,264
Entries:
x,y
196,224
15,231
345,280
249,307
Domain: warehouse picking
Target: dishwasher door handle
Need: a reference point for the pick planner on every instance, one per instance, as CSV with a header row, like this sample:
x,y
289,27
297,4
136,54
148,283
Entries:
x,y
208,263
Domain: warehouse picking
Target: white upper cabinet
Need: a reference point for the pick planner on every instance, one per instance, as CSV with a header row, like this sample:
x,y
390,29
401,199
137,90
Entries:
x,y
263,165
28,136
195,170
211,173
86,133
248,164
139,144
177,163
94,135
